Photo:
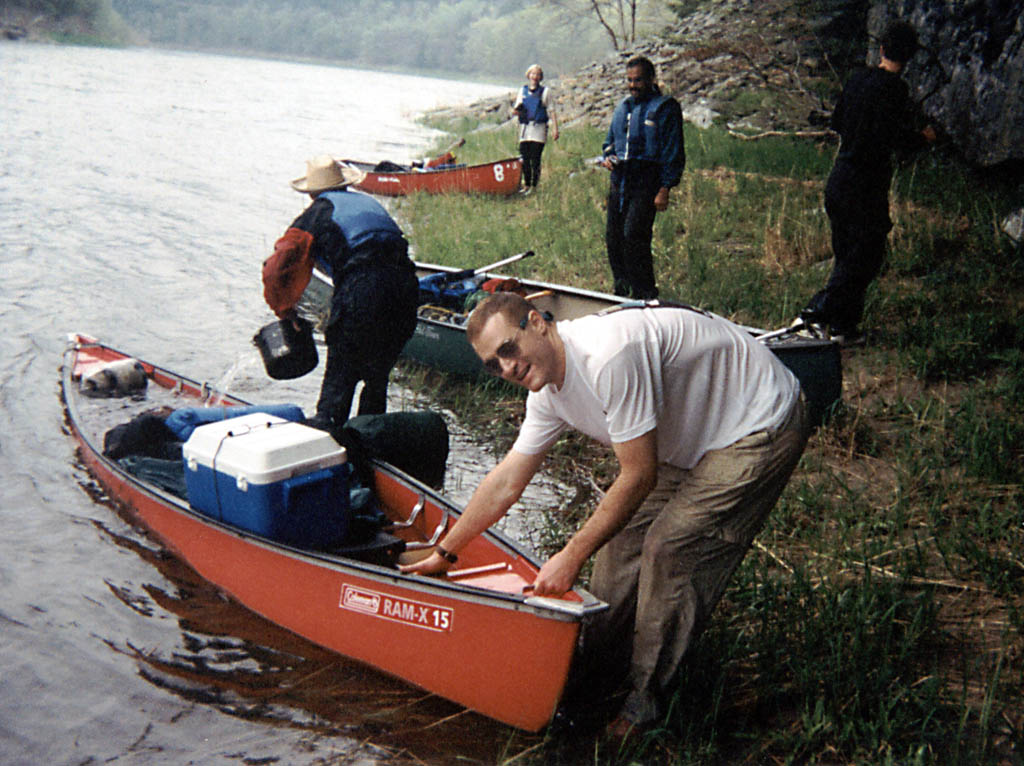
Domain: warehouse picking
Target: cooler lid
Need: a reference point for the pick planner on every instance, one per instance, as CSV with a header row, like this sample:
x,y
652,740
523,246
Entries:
x,y
262,448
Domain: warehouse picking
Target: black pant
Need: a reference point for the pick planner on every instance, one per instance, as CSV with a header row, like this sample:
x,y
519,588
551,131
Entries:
x,y
531,151
629,228
373,315
859,218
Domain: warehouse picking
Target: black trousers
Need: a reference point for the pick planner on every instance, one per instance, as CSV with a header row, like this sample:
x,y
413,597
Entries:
x,y
373,314
859,218
530,152
629,228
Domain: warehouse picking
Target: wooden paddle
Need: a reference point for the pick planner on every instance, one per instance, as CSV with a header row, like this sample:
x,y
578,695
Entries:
x,y
539,294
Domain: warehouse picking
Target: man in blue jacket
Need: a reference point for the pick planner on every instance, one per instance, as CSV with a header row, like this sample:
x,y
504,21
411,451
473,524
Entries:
x,y
644,150
351,237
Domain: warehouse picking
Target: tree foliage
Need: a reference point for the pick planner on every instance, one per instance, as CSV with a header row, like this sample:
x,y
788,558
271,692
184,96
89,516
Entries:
x,y
621,20
491,38
96,16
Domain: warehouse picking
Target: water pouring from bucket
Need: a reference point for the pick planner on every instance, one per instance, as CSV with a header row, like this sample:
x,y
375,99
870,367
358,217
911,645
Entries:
x,y
287,348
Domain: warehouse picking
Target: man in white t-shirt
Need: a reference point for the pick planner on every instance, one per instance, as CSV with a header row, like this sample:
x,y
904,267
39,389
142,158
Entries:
x,y
707,425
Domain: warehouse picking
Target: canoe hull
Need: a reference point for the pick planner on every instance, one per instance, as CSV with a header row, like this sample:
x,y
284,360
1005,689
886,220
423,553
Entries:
x,y
449,636
818,365
439,344
500,177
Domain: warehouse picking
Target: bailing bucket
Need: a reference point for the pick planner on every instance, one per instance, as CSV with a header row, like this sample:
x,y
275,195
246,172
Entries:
x,y
287,348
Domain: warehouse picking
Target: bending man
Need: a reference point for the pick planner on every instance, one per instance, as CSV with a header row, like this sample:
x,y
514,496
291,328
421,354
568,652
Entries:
x,y
373,307
707,425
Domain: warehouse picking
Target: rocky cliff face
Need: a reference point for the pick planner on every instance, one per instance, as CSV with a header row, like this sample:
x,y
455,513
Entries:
x,y
760,65
970,76
754,64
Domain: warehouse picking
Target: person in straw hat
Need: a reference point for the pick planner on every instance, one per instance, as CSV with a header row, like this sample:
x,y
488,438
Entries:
x,y
351,237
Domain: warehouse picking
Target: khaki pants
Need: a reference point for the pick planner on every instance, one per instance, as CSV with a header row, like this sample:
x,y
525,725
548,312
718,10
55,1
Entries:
x,y
665,571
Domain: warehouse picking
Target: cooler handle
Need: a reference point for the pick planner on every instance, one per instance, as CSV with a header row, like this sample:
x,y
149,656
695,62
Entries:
x,y
301,481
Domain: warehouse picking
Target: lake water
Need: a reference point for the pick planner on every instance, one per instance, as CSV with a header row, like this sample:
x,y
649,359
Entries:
x,y
139,193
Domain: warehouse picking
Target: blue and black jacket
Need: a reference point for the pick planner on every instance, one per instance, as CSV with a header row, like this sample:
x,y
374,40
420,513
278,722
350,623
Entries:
x,y
649,131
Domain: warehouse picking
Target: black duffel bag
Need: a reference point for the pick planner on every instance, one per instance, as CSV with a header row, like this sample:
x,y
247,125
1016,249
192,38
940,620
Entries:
x,y
413,442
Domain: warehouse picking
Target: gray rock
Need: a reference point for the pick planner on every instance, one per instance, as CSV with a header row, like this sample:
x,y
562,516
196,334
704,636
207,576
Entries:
x,y
970,76
700,115
776,65
1013,225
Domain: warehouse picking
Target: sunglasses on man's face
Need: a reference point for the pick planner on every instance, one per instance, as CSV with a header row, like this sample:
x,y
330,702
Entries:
x,y
509,349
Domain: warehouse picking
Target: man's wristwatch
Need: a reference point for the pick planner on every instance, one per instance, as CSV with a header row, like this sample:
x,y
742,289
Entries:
x,y
448,556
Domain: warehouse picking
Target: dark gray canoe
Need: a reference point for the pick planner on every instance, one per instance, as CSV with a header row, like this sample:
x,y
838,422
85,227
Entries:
x,y
440,337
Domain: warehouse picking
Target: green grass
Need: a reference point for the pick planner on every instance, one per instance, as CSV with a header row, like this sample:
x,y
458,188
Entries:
x,y
879,618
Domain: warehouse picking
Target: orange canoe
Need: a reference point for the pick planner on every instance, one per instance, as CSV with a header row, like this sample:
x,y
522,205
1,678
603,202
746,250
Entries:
x,y
499,177
475,636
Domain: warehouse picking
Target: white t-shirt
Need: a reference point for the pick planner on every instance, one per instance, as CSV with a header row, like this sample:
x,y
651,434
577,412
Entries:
x,y
534,131
703,381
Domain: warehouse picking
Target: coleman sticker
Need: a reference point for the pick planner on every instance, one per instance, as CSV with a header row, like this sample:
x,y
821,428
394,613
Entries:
x,y
415,613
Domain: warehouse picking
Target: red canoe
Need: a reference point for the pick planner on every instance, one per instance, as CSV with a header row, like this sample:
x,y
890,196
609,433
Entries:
x,y
500,177
475,636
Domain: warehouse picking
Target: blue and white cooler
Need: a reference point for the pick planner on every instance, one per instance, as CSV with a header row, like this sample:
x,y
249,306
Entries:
x,y
271,476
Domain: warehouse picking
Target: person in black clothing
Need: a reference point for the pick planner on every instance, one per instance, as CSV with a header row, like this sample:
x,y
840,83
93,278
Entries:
x,y
871,117
352,238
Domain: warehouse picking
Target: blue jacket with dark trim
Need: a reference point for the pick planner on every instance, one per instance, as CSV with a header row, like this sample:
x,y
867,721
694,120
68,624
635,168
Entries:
x,y
649,130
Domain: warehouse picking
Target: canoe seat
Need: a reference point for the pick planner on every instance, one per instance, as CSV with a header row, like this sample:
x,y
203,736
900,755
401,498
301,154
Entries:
x,y
381,549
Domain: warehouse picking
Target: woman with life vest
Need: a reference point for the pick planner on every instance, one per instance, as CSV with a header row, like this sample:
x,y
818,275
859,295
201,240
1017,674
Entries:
x,y
534,108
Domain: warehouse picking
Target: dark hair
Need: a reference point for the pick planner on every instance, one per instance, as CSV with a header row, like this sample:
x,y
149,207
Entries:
x,y
899,42
645,64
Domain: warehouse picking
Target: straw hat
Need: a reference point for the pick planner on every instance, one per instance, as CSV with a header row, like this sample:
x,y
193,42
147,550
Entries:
x,y
324,172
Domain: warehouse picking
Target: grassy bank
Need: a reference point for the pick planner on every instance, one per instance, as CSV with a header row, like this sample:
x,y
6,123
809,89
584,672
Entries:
x,y
879,617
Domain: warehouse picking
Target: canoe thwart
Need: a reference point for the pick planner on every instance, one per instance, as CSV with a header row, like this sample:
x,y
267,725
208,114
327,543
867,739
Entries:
x,y
458,574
